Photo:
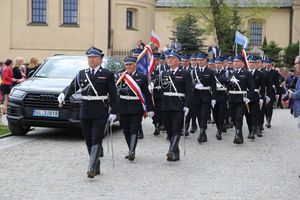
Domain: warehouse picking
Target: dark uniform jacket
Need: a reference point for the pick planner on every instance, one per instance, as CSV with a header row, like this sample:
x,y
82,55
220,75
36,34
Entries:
x,y
272,82
208,80
221,93
104,83
156,74
134,106
246,84
182,82
259,86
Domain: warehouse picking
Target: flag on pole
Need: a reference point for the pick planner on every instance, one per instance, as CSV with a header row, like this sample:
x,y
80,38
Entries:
x,y
241,39
244,54
155,39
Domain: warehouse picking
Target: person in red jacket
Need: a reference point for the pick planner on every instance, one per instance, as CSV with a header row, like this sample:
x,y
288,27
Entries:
x,y
7,80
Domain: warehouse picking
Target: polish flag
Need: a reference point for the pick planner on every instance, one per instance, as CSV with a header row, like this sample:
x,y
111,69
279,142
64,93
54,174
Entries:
x,y
155,39
244,54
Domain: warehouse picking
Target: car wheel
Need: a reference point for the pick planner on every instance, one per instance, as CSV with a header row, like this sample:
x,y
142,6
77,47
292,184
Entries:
x,y
16,129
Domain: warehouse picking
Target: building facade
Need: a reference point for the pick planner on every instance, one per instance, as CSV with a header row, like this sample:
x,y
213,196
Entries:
x,y
42,28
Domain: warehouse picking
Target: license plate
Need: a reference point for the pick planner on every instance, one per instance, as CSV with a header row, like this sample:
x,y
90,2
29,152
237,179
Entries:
x,y
45,113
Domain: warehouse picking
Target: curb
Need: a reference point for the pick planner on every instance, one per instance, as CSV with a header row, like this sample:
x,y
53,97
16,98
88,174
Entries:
x,y
6,135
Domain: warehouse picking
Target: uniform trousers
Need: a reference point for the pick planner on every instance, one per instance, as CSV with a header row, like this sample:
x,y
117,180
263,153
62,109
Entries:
x,y
202,111
157,115
252,118
173,122
269,108
219,114
237,111
93,131
130,124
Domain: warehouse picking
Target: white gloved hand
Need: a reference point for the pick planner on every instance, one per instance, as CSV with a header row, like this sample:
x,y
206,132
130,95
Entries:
x,y
277,96
186,111
267,99
261,101
61,98
218,85
198,86
246,100
151,87
150,114
213,103
234,80
112,118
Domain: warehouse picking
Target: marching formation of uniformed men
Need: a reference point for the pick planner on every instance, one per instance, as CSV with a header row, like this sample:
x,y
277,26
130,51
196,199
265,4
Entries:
x,y
179,90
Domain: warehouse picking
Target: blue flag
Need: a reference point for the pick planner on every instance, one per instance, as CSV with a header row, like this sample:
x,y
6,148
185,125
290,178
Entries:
x,y
142,65
241,39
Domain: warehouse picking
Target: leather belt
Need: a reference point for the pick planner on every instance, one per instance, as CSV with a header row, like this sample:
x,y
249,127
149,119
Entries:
x,y
237,92
174,94
94,98
129,97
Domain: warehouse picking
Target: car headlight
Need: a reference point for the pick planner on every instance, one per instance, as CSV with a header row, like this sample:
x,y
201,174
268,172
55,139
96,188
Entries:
x,y
17,93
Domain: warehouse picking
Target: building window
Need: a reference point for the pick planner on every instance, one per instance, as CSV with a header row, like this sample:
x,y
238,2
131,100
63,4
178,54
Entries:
x,y
39,8
256,33
131,19
70,12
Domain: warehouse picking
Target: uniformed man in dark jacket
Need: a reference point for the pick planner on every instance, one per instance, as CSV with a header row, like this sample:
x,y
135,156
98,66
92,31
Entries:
x,y
256,102
221,96
98,92
204,93
271,77
175,102
134,102
157,93
241,90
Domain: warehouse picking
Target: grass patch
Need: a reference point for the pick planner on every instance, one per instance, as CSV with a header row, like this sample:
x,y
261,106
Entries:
x,y
3,130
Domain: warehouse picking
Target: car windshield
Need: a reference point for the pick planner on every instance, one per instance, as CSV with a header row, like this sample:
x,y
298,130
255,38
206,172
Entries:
x,y
62,68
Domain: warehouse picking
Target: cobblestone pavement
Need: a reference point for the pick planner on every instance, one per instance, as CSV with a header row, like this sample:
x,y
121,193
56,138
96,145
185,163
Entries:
x,y
51,164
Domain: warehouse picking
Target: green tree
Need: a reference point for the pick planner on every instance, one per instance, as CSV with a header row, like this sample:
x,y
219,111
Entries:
x,y
221,17
272,51
189,34
290,53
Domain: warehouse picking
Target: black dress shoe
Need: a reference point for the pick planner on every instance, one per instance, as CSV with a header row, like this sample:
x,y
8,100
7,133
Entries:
x,y
219,135
131,156
140,134
224,129
156,131
186,133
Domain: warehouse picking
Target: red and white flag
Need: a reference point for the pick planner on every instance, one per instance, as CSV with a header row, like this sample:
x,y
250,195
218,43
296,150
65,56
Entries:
x,y
136,90
244,54
152,60
155,39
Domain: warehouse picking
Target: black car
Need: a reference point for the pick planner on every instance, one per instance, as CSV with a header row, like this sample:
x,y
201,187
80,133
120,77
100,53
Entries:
x,y
34,102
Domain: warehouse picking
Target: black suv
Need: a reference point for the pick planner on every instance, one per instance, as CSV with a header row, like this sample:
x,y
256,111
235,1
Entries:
x,y
34,102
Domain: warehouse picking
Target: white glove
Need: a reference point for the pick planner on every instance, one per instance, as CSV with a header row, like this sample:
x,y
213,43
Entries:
x,y
112,118
61,98
150,114
246,100
198,86
234,80
267,99
213,103
151,87
186,111
261,101
218,85
277,96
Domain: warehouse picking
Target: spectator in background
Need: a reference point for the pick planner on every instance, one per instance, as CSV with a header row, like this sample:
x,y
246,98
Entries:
x,y
32,66
7,80
175,45
214,50
295,95
291,80
18,75
20,63
140,44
